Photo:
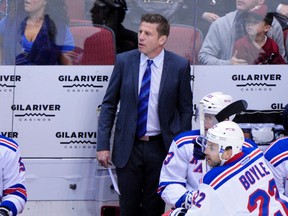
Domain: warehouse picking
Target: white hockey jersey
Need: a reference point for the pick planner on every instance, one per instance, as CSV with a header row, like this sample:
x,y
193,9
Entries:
x,y
13,194
277,156
181,172
244,185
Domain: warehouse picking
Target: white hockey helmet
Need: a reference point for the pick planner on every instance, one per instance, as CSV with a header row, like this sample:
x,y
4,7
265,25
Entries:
x,y
214,102
226,134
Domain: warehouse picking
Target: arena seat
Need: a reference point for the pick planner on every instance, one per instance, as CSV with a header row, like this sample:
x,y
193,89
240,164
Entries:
x,y
95,45
186,41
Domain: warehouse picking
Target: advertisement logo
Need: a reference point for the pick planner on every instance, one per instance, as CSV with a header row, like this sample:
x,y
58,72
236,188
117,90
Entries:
x,y
77,140
35,112
7,82
83,83
256,82
277,106
9,134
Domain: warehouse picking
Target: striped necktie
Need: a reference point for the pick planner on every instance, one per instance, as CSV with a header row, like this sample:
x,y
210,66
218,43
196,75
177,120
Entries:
x,y
143,101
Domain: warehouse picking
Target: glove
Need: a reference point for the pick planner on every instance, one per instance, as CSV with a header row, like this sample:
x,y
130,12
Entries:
x,y
198,149
4,212
179,212
188,200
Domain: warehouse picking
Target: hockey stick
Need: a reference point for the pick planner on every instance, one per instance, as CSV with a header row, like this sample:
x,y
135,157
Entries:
x,y
231,109
202,133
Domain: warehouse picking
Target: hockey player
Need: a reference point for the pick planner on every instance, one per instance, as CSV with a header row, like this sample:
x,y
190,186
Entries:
x,y
13,195
182,169
240,182
277,156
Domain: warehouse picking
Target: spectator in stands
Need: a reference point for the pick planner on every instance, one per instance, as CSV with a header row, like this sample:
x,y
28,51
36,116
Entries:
x,y
43,37
276,155
210,10
177,12
13,192
217,48
112,14
280,7
256,47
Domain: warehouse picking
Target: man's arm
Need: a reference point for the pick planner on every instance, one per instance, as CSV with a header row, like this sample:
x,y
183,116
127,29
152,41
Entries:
x,y
211,48
107,116
173,176
108,109
205,202
14,191
276,33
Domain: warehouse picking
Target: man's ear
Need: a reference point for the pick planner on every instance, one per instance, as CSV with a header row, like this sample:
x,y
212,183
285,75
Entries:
x,y
227,154
163,39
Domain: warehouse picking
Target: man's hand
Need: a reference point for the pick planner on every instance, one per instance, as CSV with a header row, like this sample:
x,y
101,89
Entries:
x,y
209,17
235,61
188,200
103,158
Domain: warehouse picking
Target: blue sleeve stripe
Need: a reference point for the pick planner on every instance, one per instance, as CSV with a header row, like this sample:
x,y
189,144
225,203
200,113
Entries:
x,y
17,190
163,185
8,146
181,200
279,159
184,140
11,145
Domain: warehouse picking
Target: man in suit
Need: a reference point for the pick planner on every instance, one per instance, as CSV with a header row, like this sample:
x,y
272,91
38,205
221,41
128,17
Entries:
x,y
138,158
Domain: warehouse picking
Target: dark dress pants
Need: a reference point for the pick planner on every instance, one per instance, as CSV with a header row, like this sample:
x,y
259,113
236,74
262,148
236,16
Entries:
x,y
138,180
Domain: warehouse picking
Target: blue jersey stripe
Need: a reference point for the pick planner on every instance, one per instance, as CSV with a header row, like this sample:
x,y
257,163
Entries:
x,y
237,171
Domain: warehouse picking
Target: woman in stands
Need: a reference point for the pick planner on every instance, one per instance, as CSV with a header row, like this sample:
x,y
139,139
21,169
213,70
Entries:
x,y
44,34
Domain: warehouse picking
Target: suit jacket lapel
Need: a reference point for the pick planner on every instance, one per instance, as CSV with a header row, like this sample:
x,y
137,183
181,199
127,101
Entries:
x,y
135,72
165,72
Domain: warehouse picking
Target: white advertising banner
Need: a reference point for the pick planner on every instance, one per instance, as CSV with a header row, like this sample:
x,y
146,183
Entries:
x,y
8,81
55,109
263,87
52,111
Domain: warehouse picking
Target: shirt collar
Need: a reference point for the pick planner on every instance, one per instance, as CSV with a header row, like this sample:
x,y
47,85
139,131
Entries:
x,y
156,61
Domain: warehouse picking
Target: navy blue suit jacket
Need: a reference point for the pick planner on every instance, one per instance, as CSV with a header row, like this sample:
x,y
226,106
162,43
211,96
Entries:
x,y
174,105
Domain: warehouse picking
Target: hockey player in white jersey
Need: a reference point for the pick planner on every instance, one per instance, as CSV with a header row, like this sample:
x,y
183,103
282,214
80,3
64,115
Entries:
x,y
277,156
13,195
239,183
182,169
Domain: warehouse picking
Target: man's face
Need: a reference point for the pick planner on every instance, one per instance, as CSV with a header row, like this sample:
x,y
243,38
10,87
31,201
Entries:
x,y
149,41
212,154
246,5
209,121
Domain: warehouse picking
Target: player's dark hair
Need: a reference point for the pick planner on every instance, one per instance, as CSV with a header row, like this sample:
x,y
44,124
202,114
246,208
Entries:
x,y
228,147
